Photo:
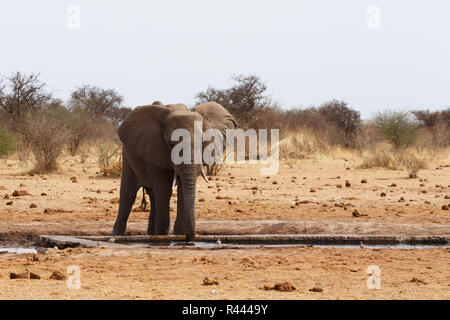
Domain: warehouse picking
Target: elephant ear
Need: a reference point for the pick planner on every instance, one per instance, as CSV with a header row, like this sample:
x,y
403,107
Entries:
x,y
215,117
142,134
157,103
178,107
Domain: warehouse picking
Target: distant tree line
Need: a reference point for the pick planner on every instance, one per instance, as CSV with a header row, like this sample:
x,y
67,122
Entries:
x,y
32,118
248,101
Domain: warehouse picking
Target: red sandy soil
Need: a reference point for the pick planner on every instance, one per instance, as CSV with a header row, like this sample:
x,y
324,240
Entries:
x,y
303,198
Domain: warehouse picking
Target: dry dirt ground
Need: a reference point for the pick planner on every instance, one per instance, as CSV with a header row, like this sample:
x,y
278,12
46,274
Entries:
x,y
310,197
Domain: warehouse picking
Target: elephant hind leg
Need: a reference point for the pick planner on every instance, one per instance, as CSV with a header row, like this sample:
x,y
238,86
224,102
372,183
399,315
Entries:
x,y
143,205
129,186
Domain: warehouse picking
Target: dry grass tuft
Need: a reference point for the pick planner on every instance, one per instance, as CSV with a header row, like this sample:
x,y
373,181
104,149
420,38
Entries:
x,y
302,144
112,171
405,159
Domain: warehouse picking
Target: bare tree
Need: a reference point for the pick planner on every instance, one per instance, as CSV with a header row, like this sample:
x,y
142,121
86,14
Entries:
x,y
97,102
343,117
245,100
20,94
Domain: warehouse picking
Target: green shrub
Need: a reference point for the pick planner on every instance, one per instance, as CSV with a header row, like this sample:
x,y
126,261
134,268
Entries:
x,y
399,128
7,144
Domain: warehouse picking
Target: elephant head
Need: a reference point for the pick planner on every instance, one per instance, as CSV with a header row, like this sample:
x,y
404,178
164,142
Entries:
x,y
147,138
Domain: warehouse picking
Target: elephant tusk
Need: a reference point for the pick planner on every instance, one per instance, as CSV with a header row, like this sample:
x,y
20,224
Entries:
x,y
204,176
174,180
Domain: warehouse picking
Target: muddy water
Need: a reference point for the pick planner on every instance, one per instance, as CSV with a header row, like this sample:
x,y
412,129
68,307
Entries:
x,y
17,250
212,245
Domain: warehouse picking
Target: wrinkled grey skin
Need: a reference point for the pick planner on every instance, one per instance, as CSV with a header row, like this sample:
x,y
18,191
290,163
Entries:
x,y
145,135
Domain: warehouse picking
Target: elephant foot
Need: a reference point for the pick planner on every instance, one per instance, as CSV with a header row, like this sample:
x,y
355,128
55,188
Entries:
x,y
153,233
178,228
190,237
118,231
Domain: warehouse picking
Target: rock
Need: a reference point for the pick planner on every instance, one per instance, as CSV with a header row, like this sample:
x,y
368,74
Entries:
x,y
356,213
208,282
222,198
417,280
364,181
312,190
445,207
23,275
9,203
284,286
74,179
339,186
18,193
347,184
393,185
43,194
383,194
34,276
316,289
33,205
6,196
57,275
201,200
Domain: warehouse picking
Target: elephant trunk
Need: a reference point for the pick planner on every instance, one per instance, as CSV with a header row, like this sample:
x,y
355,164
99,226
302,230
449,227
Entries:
x,y
188,178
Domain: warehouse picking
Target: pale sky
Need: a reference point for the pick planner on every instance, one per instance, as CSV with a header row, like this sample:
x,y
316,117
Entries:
x,y
307,52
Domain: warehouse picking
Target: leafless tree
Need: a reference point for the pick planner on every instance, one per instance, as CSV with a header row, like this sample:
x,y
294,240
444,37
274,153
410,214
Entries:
x,y
97,102
246,99
20,94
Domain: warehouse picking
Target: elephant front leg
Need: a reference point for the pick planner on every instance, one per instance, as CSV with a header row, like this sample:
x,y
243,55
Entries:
x,y
151,218
179,228
162,191
128,188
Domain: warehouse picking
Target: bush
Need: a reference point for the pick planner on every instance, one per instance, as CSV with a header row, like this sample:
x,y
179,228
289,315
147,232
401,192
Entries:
x,y
403,159
109,159
214,169
114,170
302,144
346,119
83,128
47,133
7,144
399,128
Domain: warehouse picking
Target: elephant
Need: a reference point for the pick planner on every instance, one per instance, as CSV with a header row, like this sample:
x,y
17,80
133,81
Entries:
x,y
146,143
